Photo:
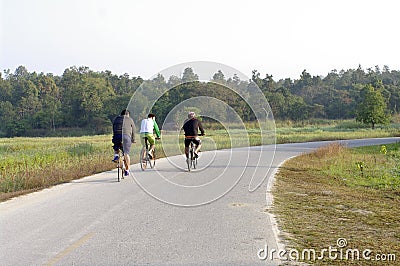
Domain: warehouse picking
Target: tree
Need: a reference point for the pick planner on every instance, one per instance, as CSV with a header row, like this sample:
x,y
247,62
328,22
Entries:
x,y
219,77
7,116
83,94
50,102
31,102
371,109
173,81
189,76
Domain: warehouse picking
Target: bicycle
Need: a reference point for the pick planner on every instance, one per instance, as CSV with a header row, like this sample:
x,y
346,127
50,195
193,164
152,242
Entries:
x,y
192,160
145,157
121,164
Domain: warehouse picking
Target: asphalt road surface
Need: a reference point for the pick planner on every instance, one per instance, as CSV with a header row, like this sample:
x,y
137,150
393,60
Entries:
x,y
217,214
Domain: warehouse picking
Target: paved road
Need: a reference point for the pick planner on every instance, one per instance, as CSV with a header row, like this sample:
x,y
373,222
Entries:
x,y
98,221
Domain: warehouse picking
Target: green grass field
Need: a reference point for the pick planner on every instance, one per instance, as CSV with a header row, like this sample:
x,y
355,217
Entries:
x,y
336,192
29,164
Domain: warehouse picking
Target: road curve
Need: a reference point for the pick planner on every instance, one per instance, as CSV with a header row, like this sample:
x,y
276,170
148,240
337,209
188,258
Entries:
x,y
98,221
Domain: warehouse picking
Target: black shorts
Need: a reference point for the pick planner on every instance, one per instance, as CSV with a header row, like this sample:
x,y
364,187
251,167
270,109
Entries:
x,y
122,141
196,141
117,141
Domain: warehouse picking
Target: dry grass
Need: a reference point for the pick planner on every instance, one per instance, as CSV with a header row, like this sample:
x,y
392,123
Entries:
x,y
316,205
30,164
329,150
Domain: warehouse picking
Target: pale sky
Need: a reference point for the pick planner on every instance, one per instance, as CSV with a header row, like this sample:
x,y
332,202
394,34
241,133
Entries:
x,y
141,38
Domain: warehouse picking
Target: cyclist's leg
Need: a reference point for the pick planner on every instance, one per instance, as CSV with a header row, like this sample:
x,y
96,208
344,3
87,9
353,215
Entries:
x,y
142,158
126,144
142,142
117,141
197,142
152,141
187,144
127,160
142,136
116,156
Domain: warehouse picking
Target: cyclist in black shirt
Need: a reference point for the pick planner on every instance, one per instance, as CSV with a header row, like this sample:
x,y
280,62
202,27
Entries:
x,y
191,128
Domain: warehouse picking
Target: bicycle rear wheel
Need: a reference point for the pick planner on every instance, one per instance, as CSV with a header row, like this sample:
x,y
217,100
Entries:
x,y
188,162
143,158
123,167
120,173
191,157
119,170
194,163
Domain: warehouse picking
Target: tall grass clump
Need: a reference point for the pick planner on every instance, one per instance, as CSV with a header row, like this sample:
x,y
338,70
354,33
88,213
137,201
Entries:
x,y
363,166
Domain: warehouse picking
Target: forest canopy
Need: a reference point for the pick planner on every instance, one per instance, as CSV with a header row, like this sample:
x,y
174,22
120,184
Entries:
x,y
39,104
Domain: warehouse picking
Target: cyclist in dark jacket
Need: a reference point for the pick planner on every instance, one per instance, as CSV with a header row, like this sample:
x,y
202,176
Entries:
x,y
191,128
123,137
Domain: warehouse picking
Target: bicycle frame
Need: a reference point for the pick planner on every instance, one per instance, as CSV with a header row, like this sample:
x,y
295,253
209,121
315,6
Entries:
x,y
192,162
121,164
144,156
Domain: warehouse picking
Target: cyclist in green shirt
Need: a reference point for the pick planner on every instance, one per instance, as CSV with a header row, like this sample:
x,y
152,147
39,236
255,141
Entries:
x,y
147,127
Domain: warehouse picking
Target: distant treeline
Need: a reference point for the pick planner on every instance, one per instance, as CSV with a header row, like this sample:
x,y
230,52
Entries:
x,y
81,99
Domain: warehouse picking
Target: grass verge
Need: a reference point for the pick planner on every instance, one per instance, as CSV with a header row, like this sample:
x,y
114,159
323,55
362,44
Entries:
x,y
326,195
30,164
